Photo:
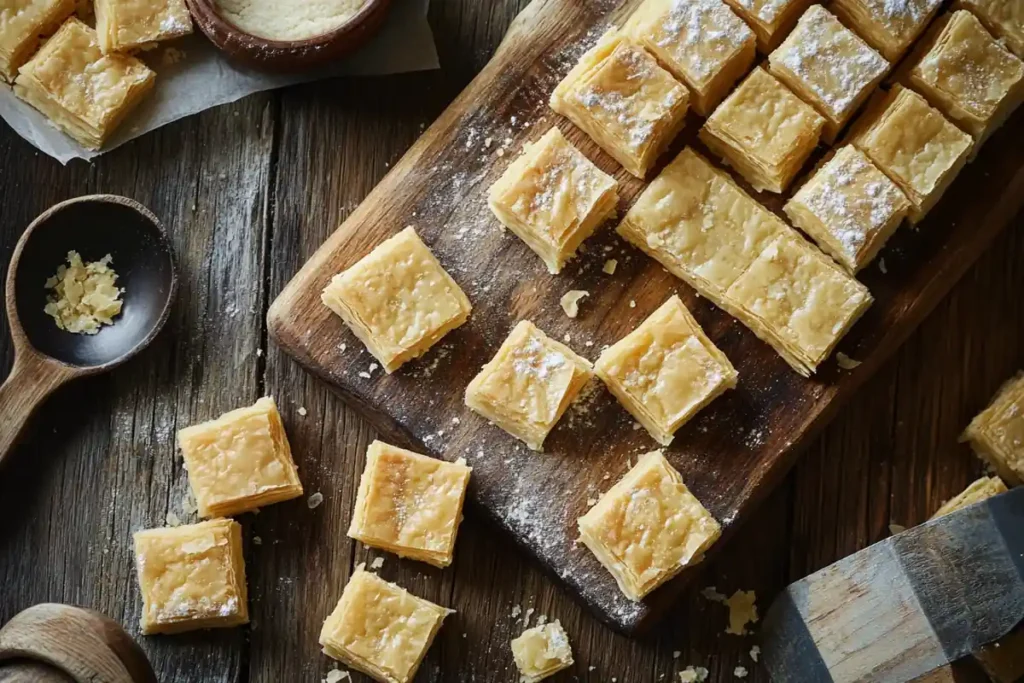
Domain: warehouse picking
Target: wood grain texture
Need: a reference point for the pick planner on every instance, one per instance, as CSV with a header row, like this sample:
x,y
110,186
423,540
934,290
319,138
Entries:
x,y
733,453
99,461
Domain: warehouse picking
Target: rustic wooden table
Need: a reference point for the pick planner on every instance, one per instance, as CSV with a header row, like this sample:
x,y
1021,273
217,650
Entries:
x,y
248,192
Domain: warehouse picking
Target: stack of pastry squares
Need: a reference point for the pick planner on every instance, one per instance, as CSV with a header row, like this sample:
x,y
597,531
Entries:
x,y
409,504
529,384
398,300
968,75
240,462
1003,18
21,24
764,131
648,527
796,299
889,27
702,42
666,370
849,207
82,91
978,491
192,577
829,67
997,433
541,651
913,144
381,629
124,25
624,100
553,198
770,19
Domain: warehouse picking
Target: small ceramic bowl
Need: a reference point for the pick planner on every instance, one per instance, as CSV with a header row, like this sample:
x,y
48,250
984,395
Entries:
x,y
293,55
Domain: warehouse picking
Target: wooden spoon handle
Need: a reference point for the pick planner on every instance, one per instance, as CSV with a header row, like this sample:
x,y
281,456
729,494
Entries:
x,y
31,381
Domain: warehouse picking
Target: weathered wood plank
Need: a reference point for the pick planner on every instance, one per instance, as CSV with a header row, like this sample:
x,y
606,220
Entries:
x,y
101,461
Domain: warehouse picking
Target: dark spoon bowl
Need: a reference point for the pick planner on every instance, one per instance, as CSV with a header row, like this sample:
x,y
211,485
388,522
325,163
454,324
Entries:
x,y
45,357
94,227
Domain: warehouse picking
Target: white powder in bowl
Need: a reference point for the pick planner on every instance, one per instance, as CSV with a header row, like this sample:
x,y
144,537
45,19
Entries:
x,y
288,19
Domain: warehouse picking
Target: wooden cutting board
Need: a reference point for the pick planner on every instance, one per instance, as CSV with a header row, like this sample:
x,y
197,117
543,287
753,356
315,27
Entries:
x,y
734,452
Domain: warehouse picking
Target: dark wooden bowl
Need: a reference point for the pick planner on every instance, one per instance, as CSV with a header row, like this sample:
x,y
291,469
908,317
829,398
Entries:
x,y
279,55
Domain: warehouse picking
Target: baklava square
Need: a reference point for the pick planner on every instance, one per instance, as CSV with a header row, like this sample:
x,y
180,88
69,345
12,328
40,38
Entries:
x,y
409,504
978,491
849,207
698,223
1003,18
648,527
240,462
129,24
21,24
542,651
764,131
913,144
529,384
191,577
624,100
969,76
798,301
828,66
771,20
701,42
82,91
666,370
553,198
997,433
889,27
398,300
380,629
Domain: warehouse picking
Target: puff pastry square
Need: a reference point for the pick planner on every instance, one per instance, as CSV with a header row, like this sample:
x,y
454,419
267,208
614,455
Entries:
x,y
701,42
542,651
764,131
799,302
913,144
398,300
697,222
82,91
409,504
380,629
829,67
978,491
529,384
666,370
969,76
889,27
553,198
648,527
128,24
849,207
240,461
21,24
997,433
770,19
621,97
1003,18
191,577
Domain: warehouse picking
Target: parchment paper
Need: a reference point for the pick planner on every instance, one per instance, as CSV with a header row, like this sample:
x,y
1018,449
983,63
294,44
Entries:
x,y
193,75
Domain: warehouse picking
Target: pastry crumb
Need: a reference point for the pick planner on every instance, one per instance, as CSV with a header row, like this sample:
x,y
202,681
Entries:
x,y
315,500
609,266
632,304
693,674
336,676
377,563
675,654
755,652
570,301
84,296
172,519
742,611
740,672
845,362
302,411
711,593
516,611
256,540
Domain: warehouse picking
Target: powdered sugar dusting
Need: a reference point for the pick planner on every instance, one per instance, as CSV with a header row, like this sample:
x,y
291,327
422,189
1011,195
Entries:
x,y
701,35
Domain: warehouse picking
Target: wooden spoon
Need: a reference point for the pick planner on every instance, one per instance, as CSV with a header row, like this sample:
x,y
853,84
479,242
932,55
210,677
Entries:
x,y
289,55
51,642
45,357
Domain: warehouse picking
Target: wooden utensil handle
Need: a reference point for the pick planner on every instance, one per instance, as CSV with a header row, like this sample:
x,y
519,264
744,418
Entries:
x,y
31,381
